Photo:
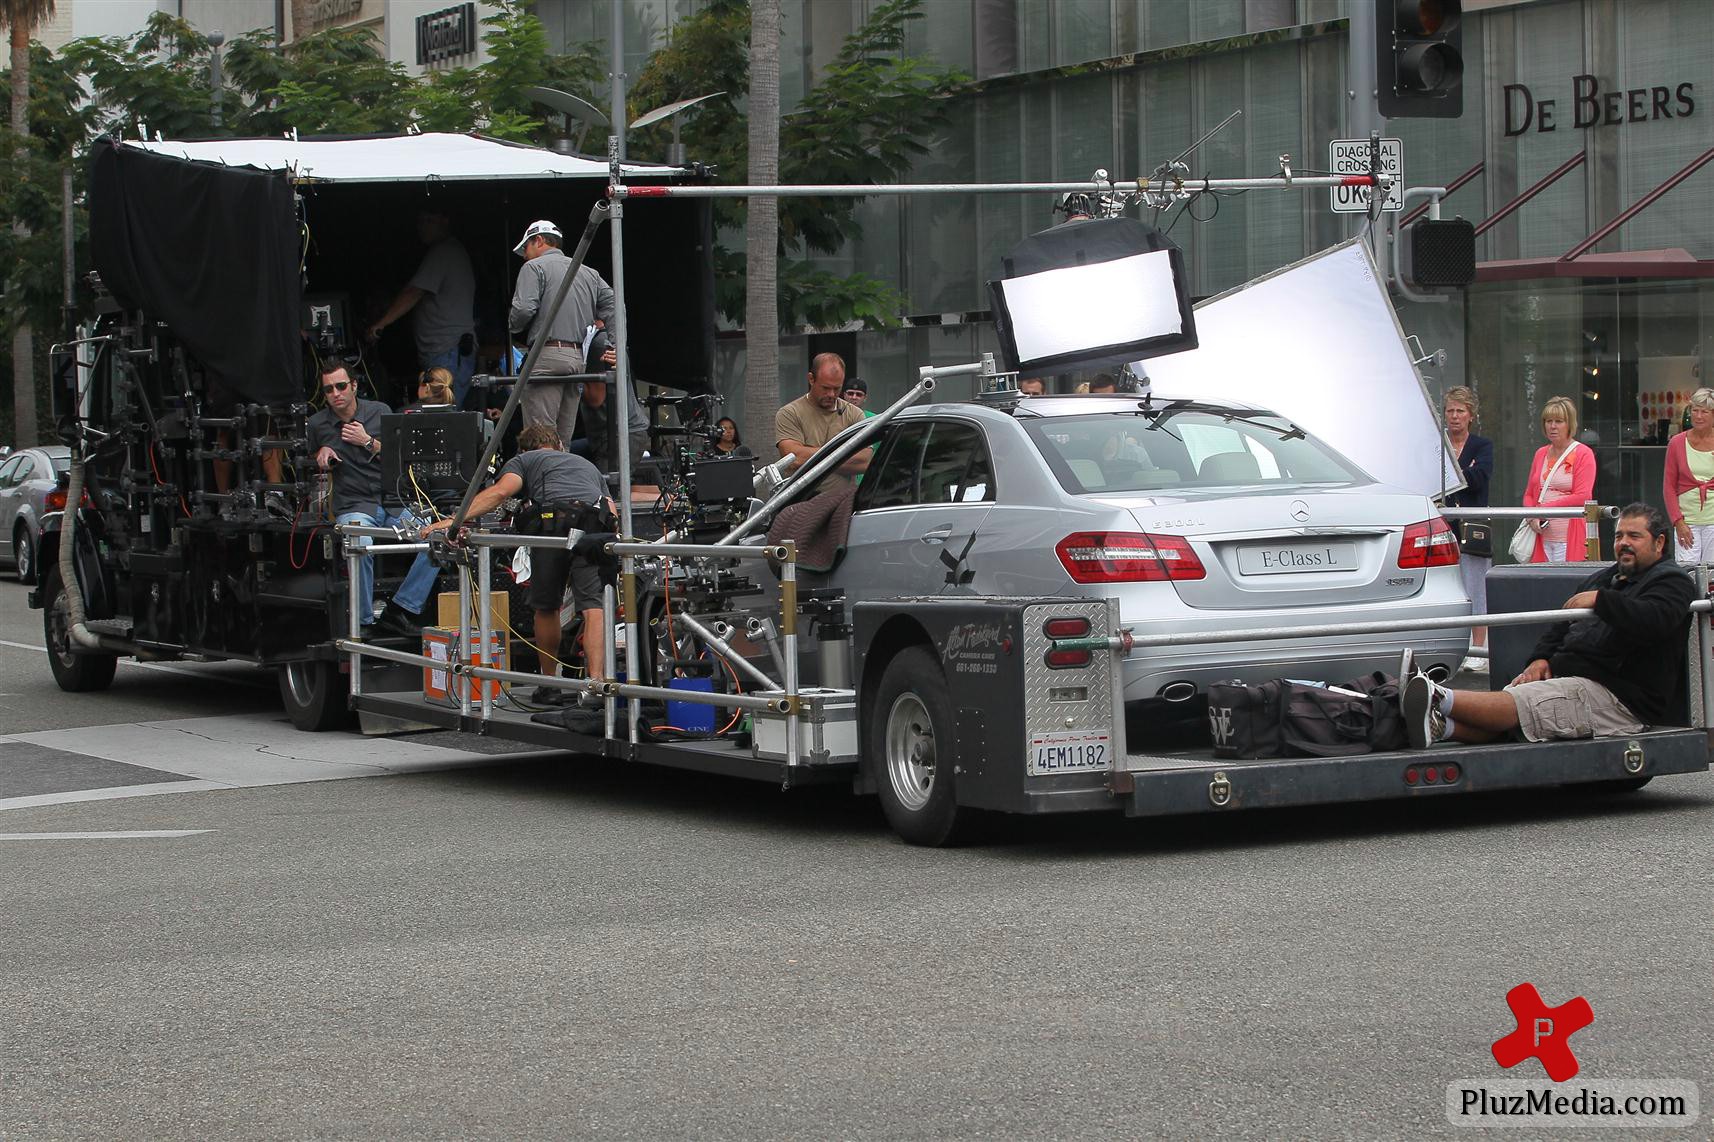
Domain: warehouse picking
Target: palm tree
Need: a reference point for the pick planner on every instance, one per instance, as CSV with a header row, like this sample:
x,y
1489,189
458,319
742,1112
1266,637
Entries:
x,y
762,232
23,16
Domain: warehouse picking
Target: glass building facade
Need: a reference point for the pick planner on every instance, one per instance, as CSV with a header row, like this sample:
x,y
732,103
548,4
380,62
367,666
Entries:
x,y
1612,95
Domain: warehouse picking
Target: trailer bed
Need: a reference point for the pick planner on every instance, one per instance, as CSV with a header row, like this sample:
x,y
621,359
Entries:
x,y
719,757
1192,781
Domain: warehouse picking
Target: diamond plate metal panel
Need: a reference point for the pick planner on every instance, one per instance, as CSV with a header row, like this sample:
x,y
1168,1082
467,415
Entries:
x,y
1042,713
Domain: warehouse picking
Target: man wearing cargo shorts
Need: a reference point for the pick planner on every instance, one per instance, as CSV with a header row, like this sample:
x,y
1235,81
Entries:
x,y
562,485
1609,675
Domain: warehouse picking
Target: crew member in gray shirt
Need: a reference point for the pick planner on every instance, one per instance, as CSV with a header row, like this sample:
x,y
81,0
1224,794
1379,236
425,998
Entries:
x,y
589,302
441,295
553,479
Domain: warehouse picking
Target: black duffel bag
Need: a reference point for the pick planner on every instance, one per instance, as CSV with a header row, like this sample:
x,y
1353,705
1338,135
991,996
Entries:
x,y
1244,720
1293,719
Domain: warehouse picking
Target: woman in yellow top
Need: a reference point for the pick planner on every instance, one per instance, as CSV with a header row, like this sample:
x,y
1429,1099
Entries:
x,y
1689,479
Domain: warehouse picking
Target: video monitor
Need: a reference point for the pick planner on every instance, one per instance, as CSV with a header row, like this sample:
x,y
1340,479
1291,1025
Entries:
x,y
431,454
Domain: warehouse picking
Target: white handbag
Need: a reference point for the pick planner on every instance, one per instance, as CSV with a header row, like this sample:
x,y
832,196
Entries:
x,y
1522,546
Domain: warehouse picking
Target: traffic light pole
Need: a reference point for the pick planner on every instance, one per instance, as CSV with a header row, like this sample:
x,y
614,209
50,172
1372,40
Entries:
x,y
1362,113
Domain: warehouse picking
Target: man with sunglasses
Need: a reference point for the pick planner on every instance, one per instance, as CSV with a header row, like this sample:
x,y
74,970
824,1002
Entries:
x,y
345,435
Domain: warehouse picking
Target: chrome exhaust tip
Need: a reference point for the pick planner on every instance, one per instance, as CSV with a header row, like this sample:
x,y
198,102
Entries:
x,y
1439,672
1180,691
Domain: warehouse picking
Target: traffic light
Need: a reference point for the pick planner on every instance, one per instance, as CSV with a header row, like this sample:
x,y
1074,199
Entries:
x,y
1419,58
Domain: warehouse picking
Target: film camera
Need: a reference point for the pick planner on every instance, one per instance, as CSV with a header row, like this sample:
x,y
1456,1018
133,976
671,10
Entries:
x,y
708,491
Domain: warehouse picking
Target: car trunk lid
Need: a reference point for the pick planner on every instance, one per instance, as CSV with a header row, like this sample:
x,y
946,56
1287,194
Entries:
x,y
1283,547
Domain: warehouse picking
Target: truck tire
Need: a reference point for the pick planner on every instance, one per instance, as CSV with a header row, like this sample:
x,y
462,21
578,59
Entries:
x,y
24,554
314,693
75,670
910,750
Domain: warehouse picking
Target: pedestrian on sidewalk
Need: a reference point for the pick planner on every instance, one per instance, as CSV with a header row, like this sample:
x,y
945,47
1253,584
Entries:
x,y
1476,463
1562,475
1689,477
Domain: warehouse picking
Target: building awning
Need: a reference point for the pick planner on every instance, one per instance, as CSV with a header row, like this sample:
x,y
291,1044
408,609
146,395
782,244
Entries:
x,y
1673,263
396,158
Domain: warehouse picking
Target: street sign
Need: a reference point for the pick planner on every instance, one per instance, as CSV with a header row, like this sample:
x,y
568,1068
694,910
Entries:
x,y
1351,156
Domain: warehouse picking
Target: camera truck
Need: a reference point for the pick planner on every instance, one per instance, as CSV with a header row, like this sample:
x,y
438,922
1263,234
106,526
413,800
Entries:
x,y
946,706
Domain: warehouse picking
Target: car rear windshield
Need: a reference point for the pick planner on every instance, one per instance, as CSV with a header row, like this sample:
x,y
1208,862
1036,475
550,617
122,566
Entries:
x,y
1200,447
61,463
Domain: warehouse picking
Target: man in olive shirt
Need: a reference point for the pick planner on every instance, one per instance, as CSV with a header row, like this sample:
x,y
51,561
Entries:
x,y
345,435
804,425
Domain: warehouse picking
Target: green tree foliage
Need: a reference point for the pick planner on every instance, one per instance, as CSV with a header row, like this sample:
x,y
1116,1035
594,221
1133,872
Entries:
x,y
156,80
873,113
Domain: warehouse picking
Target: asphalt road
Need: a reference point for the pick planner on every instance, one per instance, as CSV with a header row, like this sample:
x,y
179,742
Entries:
x,y
564,948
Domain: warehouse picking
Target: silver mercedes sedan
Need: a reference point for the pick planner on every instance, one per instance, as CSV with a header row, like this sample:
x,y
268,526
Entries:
x,y
1198,516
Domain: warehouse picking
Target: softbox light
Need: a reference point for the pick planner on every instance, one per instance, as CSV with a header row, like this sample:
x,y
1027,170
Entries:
x,y
1088,294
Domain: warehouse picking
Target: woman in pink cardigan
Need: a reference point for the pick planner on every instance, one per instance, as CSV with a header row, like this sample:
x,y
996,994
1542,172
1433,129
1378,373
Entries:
x,y
1570,484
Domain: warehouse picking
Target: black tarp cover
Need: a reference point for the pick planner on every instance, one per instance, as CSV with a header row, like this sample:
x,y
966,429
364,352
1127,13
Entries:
x,y
212,251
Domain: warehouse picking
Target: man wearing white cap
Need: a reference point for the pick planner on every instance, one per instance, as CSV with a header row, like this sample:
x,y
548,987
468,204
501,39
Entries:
x,y
589,302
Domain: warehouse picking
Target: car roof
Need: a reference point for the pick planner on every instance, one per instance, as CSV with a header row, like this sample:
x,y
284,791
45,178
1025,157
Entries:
x,y
1079,404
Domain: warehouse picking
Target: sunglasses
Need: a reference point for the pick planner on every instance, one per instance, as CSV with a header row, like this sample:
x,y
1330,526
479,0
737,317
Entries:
x,y
336,387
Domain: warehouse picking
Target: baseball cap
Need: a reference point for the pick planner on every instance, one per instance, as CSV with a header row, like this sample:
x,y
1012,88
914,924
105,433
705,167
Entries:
x,y
542,227
855,383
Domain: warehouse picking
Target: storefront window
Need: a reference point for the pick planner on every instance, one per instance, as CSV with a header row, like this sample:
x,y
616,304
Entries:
x,y
1628,354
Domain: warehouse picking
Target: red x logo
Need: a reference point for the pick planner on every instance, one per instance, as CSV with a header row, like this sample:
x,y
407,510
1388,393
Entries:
x,y
1543,1032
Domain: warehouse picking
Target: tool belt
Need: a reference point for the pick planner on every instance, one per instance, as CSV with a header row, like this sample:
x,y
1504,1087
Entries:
x,y
562,517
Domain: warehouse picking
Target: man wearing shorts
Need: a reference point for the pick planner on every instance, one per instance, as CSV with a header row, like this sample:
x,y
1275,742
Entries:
x,y
1609,675
560,486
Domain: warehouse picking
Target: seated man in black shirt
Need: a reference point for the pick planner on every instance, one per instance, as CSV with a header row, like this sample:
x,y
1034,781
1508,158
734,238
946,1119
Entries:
x,y
1605,676
554,480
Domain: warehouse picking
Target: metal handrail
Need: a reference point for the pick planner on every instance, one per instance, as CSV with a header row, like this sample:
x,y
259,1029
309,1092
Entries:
x,y
1130,642
1606,512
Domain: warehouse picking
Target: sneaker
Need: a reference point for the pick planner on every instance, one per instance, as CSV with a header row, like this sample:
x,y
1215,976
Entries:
x,y
1473,666
277,505
1424,723
551,696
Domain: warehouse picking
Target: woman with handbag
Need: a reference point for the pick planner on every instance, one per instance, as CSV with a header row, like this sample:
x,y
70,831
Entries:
x,y
1689,479
1475,536
1561,476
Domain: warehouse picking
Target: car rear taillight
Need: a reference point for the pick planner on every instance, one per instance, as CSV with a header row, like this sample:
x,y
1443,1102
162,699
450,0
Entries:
x,y
1127,557
54,501
1431,543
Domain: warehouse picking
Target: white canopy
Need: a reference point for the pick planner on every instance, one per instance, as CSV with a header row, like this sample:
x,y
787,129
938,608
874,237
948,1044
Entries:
x,y
401,158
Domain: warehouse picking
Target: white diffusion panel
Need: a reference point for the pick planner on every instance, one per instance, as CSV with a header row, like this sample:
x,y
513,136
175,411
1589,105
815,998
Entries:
x,y
1318,342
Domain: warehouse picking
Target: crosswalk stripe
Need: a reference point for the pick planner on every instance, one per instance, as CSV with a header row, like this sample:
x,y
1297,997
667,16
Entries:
x,y
135,834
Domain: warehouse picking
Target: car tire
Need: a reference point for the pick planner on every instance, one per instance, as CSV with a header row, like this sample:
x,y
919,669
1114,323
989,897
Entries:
x,y
911,752
315,693
75,670
24,554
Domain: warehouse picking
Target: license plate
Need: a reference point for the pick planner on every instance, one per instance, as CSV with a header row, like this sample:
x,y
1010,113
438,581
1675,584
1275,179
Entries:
x,y
1075,751
1296,558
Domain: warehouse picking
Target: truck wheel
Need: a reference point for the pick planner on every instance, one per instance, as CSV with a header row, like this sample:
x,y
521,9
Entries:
x,y
911,750
76,670
314,694
24,554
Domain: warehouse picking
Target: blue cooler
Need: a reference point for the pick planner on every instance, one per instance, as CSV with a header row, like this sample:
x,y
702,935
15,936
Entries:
x,y
692,716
